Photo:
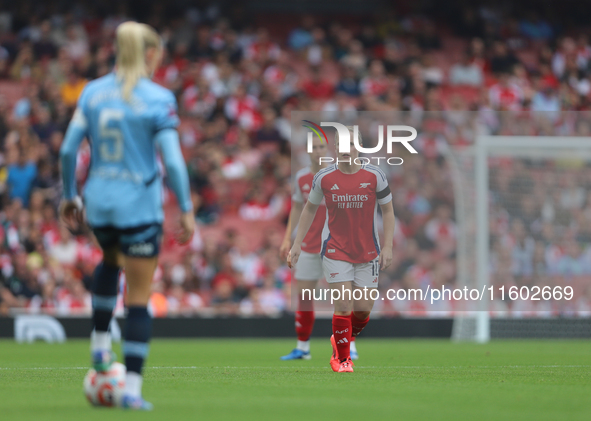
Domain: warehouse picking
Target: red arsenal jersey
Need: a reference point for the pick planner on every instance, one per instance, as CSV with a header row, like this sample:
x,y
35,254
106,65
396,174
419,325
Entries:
x,y
351,202
508,97
301,191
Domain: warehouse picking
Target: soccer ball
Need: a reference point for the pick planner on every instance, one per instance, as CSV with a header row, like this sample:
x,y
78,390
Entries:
x,y
105,389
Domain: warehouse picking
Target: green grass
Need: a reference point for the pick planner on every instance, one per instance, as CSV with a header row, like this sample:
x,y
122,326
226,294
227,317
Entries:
x,y
244,379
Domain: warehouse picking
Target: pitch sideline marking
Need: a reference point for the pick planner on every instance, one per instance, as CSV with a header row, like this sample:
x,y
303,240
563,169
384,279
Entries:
x,y
312,368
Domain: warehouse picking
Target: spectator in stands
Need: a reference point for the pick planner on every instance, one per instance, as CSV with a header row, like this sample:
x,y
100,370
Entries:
x,y
65,250
243,108
4,114
251,305
442,230
340,107
73,297
76,44
432,73
72,88
271,299
566,51
21,176
46,182
375,83
573,263
183,302
44,47
546,100
466,72
535,28
24,66
506,95
4,57
20,285
319,49
260,207
158,304
523,249
236,88
428,38
502,60
263,48
245,261
317,87
23,107
44,127
222,300
348,83
301,37
355,57
268,136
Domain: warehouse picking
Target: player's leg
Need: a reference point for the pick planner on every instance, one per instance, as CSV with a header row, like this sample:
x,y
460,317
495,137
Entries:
x,y
353,348
341,326
366,276
104,298
361,308
361,311
340,275
140,248
341,321
307,272
305,314
138,328
304,321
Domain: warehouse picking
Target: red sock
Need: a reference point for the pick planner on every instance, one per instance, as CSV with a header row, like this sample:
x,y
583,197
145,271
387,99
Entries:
x,y
341,329
304,322
357,325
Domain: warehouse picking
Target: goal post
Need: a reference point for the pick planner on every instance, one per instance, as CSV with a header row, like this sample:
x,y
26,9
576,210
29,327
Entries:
x,y
482,236
471,168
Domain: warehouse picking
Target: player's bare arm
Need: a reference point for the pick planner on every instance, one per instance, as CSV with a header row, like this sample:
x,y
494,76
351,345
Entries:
x,y
72,213
304,224
389,221
286,243
187,227
294,215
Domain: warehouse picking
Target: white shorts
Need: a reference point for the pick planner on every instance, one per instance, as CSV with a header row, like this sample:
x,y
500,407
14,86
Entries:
x,y
309,267
362,274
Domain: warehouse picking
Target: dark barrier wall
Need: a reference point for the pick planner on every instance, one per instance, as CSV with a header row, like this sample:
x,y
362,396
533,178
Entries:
x,y
541,328
284,328
257,328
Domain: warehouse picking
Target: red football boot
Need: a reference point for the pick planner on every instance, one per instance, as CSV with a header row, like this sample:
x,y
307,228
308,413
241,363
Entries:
x,y
346,366
335,363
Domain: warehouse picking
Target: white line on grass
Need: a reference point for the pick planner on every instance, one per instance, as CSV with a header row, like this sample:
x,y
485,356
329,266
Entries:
x,y
313,368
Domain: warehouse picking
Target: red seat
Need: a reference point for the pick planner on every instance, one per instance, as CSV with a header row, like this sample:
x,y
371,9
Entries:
x,y
12,91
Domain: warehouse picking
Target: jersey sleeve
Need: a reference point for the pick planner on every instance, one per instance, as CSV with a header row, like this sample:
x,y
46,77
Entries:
x,y
316,195
383,193
176,169
297,195
166,113
77,131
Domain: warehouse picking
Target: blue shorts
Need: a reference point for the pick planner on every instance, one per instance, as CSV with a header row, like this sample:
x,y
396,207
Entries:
x,y
141,241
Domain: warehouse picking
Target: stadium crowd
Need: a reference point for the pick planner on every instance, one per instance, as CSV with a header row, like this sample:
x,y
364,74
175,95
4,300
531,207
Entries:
x,y
236,84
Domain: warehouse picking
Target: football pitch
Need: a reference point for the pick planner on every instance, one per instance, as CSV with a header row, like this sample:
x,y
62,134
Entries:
x,y
245,380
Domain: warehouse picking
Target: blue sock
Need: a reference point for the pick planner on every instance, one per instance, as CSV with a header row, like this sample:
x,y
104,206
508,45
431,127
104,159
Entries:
x,y
138,329
104,297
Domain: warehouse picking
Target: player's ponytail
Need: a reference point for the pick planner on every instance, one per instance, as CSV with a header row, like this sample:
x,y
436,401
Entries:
x,y
133,39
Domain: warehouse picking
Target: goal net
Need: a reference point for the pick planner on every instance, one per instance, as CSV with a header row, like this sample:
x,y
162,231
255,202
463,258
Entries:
x,y
523,210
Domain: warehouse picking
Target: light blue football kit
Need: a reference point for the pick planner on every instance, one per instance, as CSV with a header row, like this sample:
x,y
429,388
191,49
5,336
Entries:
x,y
123,193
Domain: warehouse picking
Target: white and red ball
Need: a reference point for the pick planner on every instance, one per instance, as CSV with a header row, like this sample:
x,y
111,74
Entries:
x,y
105,389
